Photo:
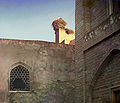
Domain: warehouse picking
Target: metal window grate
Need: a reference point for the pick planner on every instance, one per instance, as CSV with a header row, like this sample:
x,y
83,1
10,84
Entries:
x,y
19,79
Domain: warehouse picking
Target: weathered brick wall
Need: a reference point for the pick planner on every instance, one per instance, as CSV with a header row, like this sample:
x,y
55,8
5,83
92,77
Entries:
x,y
110,77
89,55
82,23
79,59
95,56
99,12
50,66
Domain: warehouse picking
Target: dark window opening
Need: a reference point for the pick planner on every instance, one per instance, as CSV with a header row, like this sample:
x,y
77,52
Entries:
x,y
19,79
116,95
19,83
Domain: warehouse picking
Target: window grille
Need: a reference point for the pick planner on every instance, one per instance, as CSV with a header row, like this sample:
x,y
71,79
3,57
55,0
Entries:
x,y
19,79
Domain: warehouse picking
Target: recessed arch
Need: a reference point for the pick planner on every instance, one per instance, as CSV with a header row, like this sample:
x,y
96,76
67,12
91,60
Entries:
x,y
103,65
106,77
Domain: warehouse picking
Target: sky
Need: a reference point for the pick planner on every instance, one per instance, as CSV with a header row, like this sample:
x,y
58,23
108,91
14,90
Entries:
x,y
32,19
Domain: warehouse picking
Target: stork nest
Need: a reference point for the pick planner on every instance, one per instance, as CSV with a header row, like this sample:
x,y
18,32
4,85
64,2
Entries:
x,y
59,23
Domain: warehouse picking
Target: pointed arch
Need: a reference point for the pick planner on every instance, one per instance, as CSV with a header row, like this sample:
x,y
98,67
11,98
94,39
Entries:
x,y
19,77
102,78
103,65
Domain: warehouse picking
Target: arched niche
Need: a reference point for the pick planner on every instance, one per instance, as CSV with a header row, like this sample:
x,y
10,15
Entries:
x,y
106,79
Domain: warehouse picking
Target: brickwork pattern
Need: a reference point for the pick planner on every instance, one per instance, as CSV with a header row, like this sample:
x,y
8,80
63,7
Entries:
x,y
99,12
88,60
109,78
95,56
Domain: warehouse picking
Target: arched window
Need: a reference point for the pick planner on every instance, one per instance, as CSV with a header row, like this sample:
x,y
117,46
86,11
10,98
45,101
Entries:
x,y
19,79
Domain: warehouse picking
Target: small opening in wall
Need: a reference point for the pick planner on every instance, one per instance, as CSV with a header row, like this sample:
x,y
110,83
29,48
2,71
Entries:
x,y
19,84
19,79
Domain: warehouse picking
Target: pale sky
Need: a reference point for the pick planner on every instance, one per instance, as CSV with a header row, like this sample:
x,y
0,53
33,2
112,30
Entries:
x,y
32,19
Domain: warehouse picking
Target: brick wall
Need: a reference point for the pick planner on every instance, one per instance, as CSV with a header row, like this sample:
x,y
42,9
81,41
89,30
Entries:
x,y
109,78
89,55
95,56
99,12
